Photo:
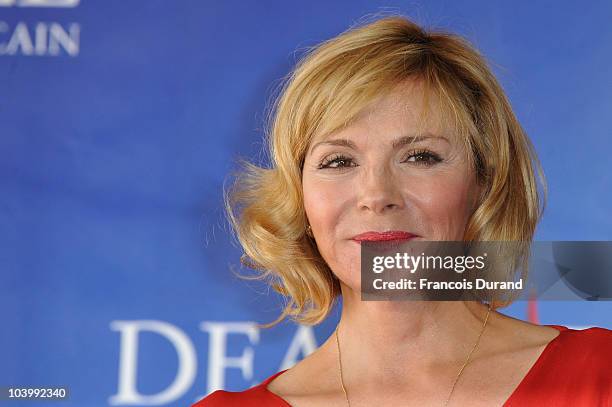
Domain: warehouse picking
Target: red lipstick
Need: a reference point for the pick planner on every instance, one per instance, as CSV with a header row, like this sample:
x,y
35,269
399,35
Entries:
x,y
372,236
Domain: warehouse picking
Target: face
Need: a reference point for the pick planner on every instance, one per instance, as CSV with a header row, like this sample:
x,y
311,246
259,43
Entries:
x,y
374,176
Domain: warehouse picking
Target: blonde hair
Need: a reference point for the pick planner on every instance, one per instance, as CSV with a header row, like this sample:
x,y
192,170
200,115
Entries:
x,y
329,86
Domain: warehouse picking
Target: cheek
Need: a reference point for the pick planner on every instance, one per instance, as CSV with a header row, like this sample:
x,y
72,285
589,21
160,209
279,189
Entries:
x,y
326,206
323,204
444,204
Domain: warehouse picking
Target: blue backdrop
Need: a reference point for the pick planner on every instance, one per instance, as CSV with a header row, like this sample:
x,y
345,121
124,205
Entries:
x,y
119,121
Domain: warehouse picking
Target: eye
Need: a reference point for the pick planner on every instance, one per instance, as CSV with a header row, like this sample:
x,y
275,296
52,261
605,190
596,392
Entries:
x,y
423,157
337,161
420,157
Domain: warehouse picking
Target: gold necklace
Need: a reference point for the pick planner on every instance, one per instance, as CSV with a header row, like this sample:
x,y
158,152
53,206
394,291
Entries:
x,y
348,403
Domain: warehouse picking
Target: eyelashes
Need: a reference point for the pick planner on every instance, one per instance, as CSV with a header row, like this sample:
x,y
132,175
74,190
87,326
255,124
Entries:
x,y
424,158
335,159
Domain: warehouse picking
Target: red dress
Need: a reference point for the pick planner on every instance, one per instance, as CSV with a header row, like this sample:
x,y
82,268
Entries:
x,y
575,369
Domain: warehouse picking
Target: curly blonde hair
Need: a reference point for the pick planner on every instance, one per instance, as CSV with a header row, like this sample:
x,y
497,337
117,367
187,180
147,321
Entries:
x,y
328,87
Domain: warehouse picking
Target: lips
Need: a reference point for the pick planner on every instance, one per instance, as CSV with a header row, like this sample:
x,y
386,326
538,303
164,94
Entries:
x,y
390,235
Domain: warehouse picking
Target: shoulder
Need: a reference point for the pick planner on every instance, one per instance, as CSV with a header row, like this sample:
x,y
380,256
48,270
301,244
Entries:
x,y
595,340
216,398
220,398
573,370
587,352
255,396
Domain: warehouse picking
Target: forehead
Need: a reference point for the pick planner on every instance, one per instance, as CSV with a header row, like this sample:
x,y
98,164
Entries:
x,y
405,105
404,109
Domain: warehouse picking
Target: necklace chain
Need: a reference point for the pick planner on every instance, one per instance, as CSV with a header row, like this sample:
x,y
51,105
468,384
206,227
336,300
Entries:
x,y
348,403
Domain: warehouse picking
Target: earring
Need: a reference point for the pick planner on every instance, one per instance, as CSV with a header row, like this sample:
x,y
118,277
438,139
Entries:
x,y
309,231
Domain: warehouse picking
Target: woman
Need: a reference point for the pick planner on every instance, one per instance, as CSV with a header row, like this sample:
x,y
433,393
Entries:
x,y
391,132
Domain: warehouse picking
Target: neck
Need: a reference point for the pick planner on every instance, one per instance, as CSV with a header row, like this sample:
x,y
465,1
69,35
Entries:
x,y
393,338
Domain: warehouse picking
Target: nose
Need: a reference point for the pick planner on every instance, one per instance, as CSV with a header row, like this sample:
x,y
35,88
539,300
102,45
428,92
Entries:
x,y
379,191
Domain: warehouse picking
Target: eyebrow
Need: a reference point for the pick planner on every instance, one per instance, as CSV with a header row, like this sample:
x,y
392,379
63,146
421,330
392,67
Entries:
x,y
398,142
